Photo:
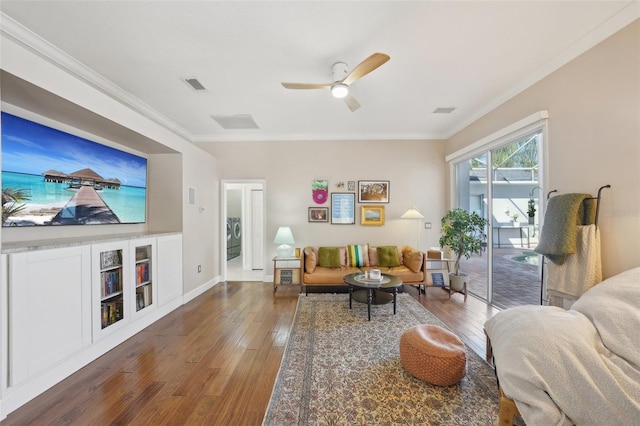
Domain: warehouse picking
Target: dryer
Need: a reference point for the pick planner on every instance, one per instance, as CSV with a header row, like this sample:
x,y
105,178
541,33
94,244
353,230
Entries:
x,y
236,236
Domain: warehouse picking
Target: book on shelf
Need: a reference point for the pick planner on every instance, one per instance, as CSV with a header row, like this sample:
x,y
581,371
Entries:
x,y
142,272
142,253
143,297
109,259
146,292
111,312
111,281
139,301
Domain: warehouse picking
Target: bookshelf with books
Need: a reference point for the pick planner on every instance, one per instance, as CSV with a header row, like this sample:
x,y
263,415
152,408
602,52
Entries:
x,y
110,260
112,297
144,288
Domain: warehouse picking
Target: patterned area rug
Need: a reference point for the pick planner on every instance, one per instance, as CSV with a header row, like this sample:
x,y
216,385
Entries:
x,y
340,369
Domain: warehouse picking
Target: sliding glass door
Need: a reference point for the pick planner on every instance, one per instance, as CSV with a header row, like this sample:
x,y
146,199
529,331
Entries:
x,y
472,195
502,184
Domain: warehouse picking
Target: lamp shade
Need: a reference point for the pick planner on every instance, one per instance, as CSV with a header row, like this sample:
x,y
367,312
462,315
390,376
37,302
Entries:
x,y
284,237
412,213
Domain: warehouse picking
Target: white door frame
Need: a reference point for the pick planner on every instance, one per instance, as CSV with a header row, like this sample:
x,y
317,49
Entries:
x,y
226,184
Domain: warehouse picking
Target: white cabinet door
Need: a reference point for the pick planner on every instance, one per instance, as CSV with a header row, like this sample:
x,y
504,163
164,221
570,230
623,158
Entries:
x,y
169,268
50,315
144,288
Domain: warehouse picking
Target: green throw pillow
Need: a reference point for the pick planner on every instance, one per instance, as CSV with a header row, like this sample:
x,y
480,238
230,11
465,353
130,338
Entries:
x,y
329,257
388,256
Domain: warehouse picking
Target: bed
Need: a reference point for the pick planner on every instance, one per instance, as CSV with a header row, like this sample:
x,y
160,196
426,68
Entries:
x,y
578,366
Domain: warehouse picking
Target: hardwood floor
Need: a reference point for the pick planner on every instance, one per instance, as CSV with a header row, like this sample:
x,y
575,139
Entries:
x,y
213,361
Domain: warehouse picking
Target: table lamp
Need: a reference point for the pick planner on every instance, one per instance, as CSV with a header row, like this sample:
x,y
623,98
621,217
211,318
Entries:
x,y
284,237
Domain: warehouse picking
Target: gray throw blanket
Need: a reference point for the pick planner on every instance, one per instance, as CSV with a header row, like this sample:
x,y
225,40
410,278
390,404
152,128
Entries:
x,y
559,233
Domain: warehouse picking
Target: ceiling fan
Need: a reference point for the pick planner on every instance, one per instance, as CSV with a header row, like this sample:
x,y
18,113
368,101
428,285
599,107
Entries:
x,y
342,79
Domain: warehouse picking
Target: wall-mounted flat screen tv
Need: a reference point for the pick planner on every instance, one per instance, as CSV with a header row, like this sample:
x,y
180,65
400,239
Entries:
x,y
50,177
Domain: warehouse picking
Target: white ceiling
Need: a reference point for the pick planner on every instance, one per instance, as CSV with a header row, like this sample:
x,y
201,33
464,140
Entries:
x,y
469,55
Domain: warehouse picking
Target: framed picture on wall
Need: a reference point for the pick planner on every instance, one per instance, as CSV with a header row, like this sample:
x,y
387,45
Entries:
x,y
343,208
318,214
372,215
373,191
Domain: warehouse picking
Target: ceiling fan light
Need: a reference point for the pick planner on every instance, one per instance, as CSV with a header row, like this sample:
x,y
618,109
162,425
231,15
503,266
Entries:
x,y
339,90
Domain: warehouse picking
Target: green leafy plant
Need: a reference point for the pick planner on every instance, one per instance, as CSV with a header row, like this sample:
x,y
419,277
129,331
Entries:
x,y
11,202
463,233
531,207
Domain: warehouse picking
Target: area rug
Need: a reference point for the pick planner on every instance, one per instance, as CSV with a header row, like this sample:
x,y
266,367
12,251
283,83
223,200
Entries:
x,y
340,369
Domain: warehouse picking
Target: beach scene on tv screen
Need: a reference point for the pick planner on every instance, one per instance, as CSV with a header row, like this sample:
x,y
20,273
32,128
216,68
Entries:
x,y
50,177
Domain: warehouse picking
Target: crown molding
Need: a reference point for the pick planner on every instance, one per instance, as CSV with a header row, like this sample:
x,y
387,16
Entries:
x,y
41,47
316,138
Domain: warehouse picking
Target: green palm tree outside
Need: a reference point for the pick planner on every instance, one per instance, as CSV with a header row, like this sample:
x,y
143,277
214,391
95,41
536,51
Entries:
x,y
12,199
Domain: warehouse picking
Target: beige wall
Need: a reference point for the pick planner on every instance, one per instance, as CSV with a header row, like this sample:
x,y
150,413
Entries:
x,y
201,236
415,169
594,136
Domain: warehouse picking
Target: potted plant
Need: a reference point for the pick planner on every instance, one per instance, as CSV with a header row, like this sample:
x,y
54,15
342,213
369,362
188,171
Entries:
x,y
464,234
531,210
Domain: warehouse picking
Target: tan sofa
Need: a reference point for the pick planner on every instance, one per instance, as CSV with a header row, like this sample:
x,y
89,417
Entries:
x,y
321,267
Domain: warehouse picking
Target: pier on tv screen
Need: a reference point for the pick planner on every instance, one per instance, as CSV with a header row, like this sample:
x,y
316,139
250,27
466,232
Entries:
x,y
50,177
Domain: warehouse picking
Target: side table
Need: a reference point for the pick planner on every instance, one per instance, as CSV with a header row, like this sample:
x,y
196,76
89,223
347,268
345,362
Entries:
x,y
286,270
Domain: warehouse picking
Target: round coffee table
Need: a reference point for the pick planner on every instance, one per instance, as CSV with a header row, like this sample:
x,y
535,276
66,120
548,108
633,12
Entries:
x,y
373,292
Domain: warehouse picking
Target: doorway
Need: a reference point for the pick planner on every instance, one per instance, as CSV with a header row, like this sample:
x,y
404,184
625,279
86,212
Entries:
x,y
502,184
244,222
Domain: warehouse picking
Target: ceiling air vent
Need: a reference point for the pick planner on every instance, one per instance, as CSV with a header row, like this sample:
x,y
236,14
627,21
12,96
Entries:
x,y
234,122
194,84
444,110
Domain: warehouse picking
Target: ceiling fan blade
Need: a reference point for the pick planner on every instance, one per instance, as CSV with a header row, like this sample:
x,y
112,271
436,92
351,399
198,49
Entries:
x,y
365,67
307,86
352,103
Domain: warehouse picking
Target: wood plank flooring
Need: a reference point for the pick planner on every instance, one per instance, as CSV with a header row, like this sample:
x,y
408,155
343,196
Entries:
x,y
212,361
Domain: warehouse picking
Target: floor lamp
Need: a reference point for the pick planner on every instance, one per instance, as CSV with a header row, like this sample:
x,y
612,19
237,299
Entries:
x,y
413,213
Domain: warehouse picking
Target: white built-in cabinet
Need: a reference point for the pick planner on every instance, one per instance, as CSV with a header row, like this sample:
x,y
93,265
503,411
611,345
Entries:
x,y
69,305
50,309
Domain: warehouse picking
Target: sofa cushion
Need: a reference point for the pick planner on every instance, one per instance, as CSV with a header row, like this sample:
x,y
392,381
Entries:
x,y
329,257
388,256
328,276
358,255
310,259
404,273
373,256
412,258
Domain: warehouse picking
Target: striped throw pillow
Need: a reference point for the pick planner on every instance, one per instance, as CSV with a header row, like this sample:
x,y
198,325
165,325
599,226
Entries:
x,y
358,255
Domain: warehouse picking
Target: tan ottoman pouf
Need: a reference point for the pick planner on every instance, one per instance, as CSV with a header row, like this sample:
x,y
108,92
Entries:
x,y
433,354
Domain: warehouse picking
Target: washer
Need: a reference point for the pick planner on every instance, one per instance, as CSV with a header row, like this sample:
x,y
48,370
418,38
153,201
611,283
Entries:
x,y
229,235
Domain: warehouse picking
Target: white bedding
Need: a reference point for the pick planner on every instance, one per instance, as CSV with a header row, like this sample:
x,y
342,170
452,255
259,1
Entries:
x,y
580,366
